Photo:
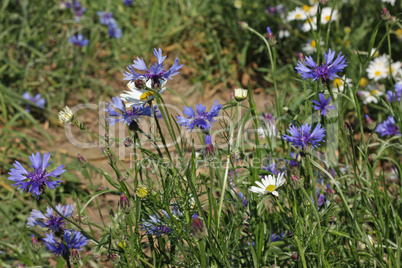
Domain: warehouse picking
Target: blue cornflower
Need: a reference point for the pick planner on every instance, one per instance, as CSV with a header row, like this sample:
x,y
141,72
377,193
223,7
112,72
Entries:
x,y
275,237
388,127
74,239
118,112
106,18
37,99
294,163
303,137
202,119
155,226
128,2
55,222
398,90
320,198
114,31
274,169
39,179
78,40
78,10
155,73
326,71
323,104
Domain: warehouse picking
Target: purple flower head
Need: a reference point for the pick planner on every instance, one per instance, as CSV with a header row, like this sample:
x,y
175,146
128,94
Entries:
x,y
37,99
78,40
323,104
106,18
326,71
202,119
388,127
294,163
274,169
155,72
78,10
368,119
243,199
74,239
114,31
39,178
275,237
154,226
320,198
51,221
118,112
303,137
398,91
209,148
128,2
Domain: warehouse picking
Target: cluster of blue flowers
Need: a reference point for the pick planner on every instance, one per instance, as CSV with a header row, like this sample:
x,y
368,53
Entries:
x,y
37,100
106,18
36,182
117,112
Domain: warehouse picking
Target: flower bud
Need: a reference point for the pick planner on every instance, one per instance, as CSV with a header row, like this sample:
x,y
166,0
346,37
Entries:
x,y
240,94
115,258
96,256
124,177
36,245
209,148
66,115
125,203
198,228
271,37
75,256
128,142
297,182
243,25
82,161
385,15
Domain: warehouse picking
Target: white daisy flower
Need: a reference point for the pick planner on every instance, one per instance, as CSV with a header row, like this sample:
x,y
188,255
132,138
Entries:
x,y
140,94
283,34
395,69
370,96
326,15
310,10
238,4
374,53
297,14
392,2
311,46
268,185
306,25
377,69
340,82
66,115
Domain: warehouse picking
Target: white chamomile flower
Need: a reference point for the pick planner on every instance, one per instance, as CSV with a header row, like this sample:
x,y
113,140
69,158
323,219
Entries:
x,y
310,10
392,2
377,69
66,115
370,96
297,14
139,93
268,185
306,27
240,94
396,69
326,15
311,46
283,34
339,83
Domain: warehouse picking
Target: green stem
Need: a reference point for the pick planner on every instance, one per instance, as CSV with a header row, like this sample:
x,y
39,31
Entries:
x,y
225,179
301,251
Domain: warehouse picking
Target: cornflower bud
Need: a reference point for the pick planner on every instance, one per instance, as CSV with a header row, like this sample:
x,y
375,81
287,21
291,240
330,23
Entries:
x,y
301,57
75,256
243,25
297,182
271,37
82,161
385,15
140,84
198,228
96,256
115,258
128,142
125,203
36,245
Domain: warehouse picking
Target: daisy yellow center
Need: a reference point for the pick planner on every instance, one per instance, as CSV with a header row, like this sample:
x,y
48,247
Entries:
x,y
392,70
399,33
145,96
306,8
298,16
327,18
338,82
270,188
363,82
313,44
377,73
374,92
